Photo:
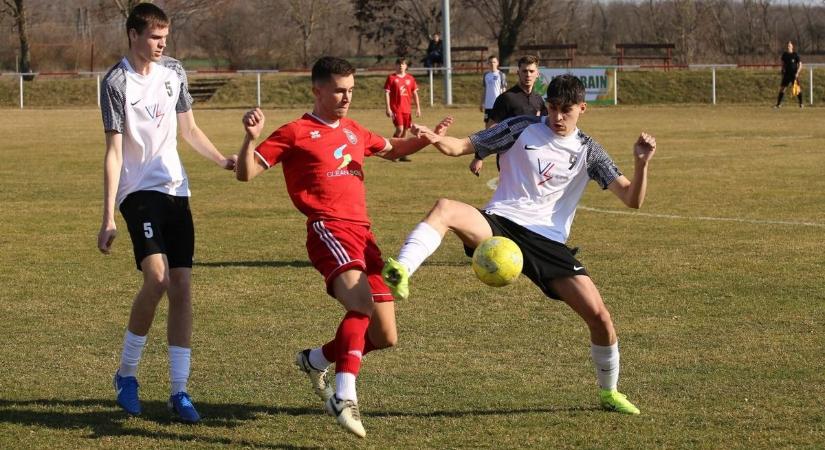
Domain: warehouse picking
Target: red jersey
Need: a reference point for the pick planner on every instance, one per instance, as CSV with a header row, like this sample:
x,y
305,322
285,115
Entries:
x,y
323,166
401,90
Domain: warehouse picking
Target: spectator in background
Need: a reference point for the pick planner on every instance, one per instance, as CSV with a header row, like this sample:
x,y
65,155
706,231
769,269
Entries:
x,y
493,83
399,91
791,67
435,51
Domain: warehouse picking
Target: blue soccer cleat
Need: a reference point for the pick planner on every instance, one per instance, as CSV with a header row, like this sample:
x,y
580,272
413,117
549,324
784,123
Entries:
x,y
127,394
181,404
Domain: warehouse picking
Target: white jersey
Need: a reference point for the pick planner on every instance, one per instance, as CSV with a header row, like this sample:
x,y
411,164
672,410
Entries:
x,y
543,175
494,84
143,108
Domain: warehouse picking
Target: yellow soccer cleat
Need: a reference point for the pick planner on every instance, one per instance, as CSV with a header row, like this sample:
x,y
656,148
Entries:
x,y
613,400
397,278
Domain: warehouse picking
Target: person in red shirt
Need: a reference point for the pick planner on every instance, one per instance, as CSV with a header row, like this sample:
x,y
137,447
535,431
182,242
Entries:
x,y
399,90
322,155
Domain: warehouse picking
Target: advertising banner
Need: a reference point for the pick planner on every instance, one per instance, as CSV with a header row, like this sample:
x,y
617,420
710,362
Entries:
x,y
598,82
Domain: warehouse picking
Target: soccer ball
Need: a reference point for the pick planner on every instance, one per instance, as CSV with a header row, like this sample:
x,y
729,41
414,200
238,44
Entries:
x,y
497,261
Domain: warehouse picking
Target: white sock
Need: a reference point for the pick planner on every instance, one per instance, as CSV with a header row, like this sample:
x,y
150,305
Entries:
x,y
345,386
317,360
179,362
606,360
130,356
420,244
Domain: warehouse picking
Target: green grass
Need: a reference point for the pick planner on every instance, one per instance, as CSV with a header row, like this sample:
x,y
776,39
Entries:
x,y
720,322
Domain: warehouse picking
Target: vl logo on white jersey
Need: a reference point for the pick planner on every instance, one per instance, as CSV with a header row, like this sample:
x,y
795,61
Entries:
x,y
155,112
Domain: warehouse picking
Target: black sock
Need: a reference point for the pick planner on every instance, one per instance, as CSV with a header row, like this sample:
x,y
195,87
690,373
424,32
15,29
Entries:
x,y
779,98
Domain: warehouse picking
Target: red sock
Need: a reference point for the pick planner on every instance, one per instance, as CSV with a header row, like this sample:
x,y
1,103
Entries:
x,y
329,348
349,342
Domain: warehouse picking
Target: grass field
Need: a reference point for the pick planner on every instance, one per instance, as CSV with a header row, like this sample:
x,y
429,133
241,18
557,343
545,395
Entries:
x,y
716,287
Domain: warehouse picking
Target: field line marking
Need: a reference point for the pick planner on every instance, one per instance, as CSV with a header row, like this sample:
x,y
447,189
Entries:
x,y
706,218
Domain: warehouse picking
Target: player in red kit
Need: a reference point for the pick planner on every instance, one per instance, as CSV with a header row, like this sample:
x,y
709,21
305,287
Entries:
x,y
322,155
399,91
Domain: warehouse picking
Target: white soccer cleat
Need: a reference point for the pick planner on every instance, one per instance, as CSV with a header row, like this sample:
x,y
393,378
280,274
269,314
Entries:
x,y
318,378
347,414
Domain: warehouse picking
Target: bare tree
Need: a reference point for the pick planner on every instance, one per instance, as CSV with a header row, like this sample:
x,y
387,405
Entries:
x,y
505,20
305,14
407,23
17,10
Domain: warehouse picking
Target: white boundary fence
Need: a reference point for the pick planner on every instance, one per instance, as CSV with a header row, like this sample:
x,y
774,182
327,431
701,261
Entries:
x,y
616,70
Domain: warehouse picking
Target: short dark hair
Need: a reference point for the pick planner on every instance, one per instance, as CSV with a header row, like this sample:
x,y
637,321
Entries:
x,y
492,57
402,60
145,15
327,66
526,60
565,90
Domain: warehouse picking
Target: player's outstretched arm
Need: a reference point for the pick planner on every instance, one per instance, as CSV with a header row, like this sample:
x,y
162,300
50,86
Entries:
x,y
421,137
249,166
195,137
447,145
452,146
632,193
112,163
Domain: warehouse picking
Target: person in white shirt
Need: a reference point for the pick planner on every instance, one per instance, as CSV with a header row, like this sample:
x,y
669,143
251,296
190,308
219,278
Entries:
x,y
493,83
144,99
546,163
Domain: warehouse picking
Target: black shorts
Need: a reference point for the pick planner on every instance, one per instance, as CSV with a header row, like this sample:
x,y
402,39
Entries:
x,y
160,223
544,259
788,80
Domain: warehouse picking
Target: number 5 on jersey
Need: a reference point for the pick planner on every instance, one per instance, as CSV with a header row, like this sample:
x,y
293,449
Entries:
x,y
147,230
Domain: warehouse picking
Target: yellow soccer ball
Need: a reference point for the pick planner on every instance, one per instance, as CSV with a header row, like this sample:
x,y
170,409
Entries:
x,y
497,261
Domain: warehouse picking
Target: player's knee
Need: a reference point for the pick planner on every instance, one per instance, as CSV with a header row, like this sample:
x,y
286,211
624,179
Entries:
x,y
365,308
600,320
442,210
384,341
156,283
390,340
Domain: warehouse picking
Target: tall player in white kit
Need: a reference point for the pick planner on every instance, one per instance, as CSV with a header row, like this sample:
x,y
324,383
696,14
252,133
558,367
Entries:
x,y
493,83
546,163
144,98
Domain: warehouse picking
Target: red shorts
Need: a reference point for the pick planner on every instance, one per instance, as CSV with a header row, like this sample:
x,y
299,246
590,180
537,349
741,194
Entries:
x,y
335,246
402,119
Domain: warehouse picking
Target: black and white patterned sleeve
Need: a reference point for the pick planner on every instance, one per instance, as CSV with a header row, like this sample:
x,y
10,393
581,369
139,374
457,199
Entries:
x,y
113,100
600,167
502,136
184,98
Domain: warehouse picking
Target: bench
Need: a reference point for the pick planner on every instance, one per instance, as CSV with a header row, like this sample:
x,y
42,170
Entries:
x,y
466,58
641,52
549,53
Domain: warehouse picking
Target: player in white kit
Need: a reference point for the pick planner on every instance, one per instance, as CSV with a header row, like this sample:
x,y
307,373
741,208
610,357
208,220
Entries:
x,y
546,163
493,83
144,98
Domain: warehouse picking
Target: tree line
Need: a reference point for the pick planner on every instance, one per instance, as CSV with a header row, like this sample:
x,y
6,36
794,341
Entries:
x,y
43,35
